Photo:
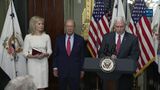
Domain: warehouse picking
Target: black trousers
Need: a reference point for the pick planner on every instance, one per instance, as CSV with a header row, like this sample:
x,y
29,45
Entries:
x,y
72,82
4,79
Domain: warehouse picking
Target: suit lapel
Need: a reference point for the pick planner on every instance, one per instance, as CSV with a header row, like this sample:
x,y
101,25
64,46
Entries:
x,y
113,44
74,43
114,39
124,41
64,44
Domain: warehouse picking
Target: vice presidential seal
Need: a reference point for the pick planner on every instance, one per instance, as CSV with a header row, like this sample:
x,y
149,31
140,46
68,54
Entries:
x,y
107,65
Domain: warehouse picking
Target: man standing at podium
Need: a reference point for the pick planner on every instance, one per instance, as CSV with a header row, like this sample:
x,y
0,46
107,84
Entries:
x,y
120,44
69,58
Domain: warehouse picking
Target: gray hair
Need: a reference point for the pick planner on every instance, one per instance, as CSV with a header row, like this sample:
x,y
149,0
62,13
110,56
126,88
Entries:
x,y
120,18
70,20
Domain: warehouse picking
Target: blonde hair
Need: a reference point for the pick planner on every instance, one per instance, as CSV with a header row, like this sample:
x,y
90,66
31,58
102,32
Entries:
x,y
32,23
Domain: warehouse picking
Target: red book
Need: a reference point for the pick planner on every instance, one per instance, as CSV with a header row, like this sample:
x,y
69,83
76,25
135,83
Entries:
x,y
35,52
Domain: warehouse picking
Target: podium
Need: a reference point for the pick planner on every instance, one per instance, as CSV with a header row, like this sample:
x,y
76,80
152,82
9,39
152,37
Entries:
x,y
123,66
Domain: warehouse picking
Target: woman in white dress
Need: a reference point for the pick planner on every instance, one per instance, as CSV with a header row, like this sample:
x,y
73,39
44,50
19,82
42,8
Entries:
x,y
37,49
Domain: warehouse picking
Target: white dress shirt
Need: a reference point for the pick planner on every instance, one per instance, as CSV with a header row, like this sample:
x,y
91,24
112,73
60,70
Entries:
x,y
122,35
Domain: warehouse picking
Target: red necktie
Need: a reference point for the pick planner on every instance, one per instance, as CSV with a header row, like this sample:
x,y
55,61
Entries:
x,y
118,44
68,46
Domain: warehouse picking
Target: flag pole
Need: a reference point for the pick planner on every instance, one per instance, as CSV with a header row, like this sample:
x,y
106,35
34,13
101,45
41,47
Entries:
x,y
14,54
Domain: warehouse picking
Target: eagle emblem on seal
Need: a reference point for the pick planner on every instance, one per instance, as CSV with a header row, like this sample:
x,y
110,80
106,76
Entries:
x,y
13,44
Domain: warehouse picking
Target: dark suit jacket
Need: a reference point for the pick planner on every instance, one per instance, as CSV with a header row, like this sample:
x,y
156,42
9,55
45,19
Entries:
x,y
129,46
69,65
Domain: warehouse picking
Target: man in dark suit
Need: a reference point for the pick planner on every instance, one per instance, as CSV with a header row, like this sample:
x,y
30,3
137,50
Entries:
x,y
69,58
120,44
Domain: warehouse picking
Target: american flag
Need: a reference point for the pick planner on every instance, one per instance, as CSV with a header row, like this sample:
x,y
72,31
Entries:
x,y
138,10
144,34
98,27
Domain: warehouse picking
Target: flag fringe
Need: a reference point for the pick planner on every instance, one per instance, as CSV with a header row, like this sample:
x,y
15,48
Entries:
x,y
144,67
90,51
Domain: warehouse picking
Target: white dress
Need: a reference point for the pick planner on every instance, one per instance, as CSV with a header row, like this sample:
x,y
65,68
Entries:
x,y
38,68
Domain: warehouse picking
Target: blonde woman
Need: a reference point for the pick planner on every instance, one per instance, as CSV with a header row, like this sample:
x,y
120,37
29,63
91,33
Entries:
x,y
37,49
